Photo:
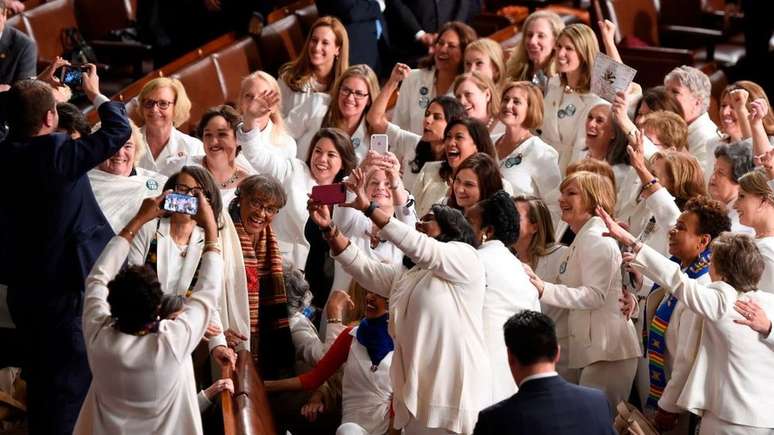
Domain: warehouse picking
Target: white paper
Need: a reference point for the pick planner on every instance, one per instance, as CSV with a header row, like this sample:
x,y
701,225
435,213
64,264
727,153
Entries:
x,y
609,77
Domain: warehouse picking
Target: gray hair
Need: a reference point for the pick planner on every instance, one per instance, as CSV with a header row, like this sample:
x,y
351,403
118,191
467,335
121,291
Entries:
x,y
695,80
738,260
264,186
296,288
740,155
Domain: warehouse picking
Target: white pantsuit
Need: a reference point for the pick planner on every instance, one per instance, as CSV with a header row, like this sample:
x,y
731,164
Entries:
x,y
173,156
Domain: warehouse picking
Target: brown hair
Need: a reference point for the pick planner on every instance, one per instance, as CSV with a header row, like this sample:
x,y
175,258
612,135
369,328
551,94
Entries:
x,y
738,260
490,180
484,84
519,67
586,45
182,105
494,51
232,117
343,145
686,178
28,103
480,136
534,117
755,92
595,190
333,116
466,35
261,185
538,215
658,98
756,183
670,129
599,167
297,73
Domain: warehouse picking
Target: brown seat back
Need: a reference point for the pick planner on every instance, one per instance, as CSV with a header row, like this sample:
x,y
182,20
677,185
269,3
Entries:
x,y
280,42
45,25
96,18
634,18
235,63
307,15
204,88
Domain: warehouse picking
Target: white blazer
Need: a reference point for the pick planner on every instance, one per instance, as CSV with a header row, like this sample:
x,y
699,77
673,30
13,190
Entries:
x,y
568,133
416,91
506,294
403,144
296,178
589,287
702,132
440,368
731,375
143,384
173,156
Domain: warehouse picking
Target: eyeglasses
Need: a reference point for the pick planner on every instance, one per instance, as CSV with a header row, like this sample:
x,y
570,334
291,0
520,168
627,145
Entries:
x,y
163,104
346,92
188,190
258,205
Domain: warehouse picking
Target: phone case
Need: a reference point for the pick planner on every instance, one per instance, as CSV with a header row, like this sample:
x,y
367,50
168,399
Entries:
x,y
330,194
179,203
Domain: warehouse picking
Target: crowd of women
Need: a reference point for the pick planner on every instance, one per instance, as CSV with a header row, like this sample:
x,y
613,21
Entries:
x,y
642,228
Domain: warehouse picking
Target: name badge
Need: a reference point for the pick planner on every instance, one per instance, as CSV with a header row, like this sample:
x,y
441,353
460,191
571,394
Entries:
x,y
355,142
513,161
152,184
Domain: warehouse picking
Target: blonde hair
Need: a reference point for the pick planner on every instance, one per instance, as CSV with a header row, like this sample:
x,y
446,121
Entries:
x,y
686,178
298,73
756,183
333,116
519,67
494,51
182,105
136,137
538,215
484,84
595,190
276,112
599,167
669,127
534,117
755,92
586,45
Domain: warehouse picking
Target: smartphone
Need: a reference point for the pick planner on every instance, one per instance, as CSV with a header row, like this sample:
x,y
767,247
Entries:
x,y
330,194
379,143
72,76
180,203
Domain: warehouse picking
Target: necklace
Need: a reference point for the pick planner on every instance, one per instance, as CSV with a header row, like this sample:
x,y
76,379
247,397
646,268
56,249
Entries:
x,y
183,250
235,176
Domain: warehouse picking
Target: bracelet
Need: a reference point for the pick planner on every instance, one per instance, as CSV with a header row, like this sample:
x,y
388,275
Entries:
x,y
396,187
650,184
214,244
370,210
335,320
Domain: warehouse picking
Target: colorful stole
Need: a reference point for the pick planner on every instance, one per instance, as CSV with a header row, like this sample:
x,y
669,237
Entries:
x,y
270,341
152,258
656,344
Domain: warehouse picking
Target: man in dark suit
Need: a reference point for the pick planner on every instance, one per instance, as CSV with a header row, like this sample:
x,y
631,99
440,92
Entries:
x,y
545,403
51,232
18,54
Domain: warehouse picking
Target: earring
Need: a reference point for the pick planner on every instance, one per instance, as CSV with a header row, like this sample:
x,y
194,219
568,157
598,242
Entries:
x,y
483,238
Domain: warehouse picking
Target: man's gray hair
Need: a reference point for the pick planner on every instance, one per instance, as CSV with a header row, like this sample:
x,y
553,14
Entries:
x,y
695,80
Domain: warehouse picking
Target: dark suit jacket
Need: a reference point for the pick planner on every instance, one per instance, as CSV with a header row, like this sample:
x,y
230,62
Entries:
x,y
407,17
548,406
358,17
52,227
18,56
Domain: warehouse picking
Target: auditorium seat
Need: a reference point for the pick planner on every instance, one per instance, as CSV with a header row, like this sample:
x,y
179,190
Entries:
x,y
280,42
234,63
45,24
307,15
96,18
204,88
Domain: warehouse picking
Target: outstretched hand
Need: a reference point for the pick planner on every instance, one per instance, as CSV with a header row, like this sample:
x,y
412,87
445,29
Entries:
x,y
615,230
356,184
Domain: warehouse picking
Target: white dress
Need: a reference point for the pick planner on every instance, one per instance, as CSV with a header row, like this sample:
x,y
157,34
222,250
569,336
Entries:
x,y
416,91
173,156
143,384
508,292
120,197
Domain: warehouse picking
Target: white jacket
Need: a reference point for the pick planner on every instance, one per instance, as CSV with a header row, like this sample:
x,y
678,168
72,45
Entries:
x,y
702,135
416,91
173,156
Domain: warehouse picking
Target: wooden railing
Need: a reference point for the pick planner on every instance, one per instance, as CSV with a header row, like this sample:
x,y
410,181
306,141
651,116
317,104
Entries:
x,y
247,412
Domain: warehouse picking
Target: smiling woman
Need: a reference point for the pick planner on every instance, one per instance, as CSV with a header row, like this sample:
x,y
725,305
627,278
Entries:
x,y
533,59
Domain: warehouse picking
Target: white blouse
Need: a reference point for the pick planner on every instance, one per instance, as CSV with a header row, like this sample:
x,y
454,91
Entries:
x,y
292,99
174,154
702,135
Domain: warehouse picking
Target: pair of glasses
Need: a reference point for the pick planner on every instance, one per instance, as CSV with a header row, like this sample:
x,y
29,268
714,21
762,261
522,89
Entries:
x,y
188,190
567,111
346,92
163,104
258,205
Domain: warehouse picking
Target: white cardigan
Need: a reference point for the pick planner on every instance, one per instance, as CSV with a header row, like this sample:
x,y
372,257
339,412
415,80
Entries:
x,y
143,384
508,292
589,287
766,246
440,369
173,156
731,375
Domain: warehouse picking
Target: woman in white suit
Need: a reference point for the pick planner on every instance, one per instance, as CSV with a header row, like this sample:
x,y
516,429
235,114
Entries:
x,y
568,98
602,344
495,223
143,379
730,384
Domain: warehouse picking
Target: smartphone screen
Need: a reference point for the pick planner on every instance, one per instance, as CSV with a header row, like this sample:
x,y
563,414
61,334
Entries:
x,y
330,194
72,76
379,143
180,203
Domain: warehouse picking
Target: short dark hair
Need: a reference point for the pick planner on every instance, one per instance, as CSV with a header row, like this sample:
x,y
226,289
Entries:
x,y
170,304
232,117
531,337
28,102
738,260
490,179
711,214
264,186
739,155
71,119
480,136
134,296
209,188
454,226
452,110
499,212
343,144
658,98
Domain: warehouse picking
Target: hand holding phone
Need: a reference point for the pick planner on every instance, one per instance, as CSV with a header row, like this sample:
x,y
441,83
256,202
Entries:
x,y
330,194
379,143
180,203
72,76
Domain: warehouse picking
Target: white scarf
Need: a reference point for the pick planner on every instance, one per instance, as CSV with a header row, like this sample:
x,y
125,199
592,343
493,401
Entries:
x,y
120,197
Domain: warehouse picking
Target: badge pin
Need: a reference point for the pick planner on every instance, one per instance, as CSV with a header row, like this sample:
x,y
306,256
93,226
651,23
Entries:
x,y
423,102
423,90
563,267
152,184
513,161
356,142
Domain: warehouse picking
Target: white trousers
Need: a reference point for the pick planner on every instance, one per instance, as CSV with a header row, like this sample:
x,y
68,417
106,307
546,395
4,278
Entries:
x,y
351,429
712,425
614,378
413,427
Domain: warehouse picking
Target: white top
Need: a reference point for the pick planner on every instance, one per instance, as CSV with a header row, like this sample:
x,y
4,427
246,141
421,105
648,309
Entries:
x,y
660,206
731,375
120,197
440,369
416,92
296,178
766,246
566,133
403,144
174,154
627,187
589,286
281,143
292,99
702,134
143,384
226,194
506,294
309,347
366,394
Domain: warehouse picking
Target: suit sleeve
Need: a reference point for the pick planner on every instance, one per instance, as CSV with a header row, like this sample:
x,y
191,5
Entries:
x,y
482,425
462,10
351,11
28,58
75,157
406,17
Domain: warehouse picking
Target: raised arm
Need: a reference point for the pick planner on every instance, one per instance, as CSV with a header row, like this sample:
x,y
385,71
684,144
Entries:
x,y
263,160
377,118
761,143
96,309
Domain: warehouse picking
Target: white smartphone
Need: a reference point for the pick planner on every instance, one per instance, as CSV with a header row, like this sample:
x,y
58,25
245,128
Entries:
x,y
379,143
